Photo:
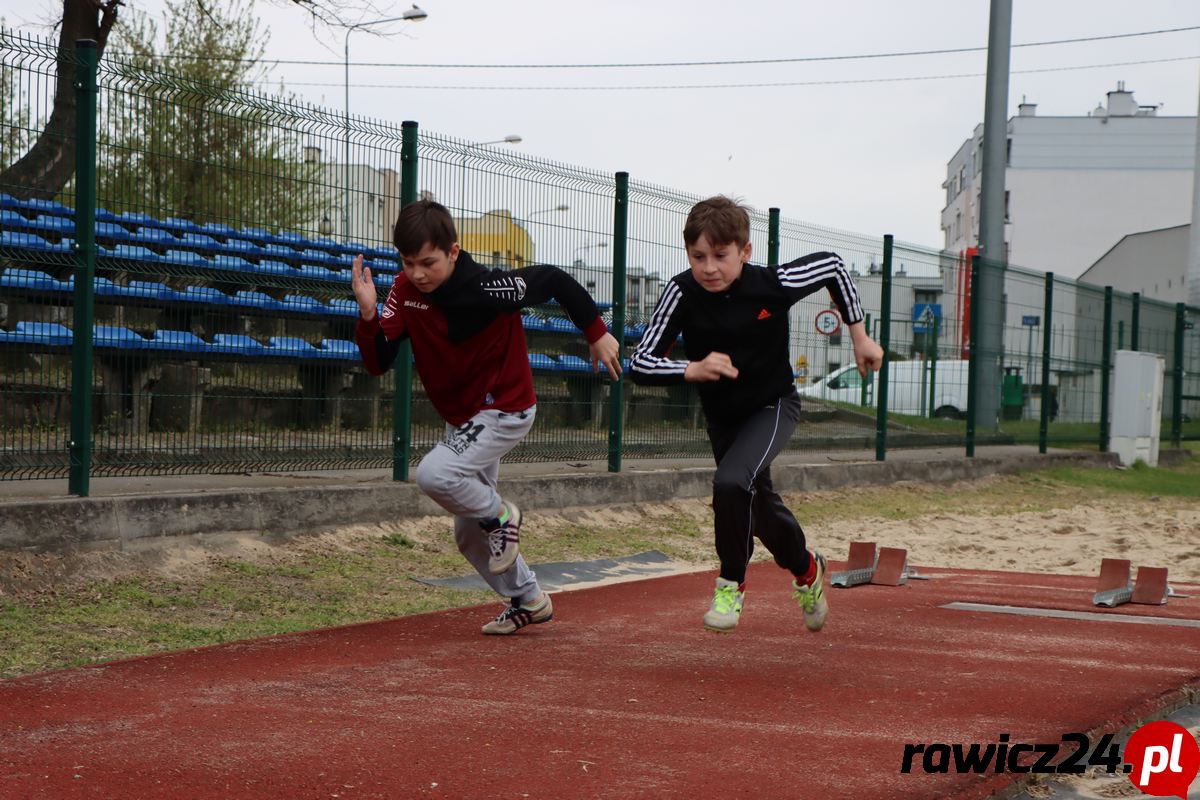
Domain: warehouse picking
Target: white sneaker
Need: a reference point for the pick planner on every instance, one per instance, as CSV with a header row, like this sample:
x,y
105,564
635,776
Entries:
x,y
726,609
517,616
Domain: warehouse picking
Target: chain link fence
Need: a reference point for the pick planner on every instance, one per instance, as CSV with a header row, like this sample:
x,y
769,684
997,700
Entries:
x,y
181,301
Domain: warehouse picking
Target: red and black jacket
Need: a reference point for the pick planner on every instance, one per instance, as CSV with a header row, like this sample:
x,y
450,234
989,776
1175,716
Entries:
x,y
467,337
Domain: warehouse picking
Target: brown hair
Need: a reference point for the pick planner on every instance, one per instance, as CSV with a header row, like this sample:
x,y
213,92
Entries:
x,y
424,222
722,220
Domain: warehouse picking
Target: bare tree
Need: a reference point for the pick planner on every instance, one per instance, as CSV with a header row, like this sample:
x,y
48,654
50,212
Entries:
x,y
50,163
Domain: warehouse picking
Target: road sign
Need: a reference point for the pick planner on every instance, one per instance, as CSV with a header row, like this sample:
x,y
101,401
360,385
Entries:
x,y
925,316
1031,320
828,322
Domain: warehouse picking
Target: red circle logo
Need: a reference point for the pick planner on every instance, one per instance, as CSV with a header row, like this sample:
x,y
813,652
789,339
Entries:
x,y
1165,759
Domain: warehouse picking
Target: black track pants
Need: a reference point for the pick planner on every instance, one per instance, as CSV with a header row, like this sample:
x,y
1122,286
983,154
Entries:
x,y
745,503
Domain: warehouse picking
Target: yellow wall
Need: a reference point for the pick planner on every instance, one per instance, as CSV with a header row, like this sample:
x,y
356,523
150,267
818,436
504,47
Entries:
x,y
494,239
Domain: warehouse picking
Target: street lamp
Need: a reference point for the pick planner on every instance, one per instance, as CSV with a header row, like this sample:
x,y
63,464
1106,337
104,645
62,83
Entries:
x,y
585,248
559,207
512,138
413,14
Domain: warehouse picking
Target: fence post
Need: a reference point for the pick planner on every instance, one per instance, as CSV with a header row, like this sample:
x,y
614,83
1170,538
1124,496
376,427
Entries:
x,y
773,237
1135,321
402,396
1106,369
973,364
616,396
1177,378
885,341
1047,316
80,445
931,354
866,381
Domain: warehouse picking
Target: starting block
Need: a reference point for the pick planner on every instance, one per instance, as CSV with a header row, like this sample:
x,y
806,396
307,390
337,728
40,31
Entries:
x,y
1115,587
888,567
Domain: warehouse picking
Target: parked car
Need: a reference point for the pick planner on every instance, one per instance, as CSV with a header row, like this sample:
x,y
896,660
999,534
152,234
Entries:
x,y
909,385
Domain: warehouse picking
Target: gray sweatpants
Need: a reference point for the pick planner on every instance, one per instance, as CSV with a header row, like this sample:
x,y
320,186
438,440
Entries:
x,y
460,474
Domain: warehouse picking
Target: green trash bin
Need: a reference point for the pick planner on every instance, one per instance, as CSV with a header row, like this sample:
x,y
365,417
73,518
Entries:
x,y
1012,394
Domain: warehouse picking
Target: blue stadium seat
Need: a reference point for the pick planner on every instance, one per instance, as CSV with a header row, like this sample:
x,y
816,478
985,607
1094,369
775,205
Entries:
x,y
252,299
274,268
183,341
353,248
179,226
343,261
31,279
152,290
532,322
38,333
241,247
291,238
103,287
232,263
217,230
63,226
386,253
383,279
155,236
137,219
318,257
317,273
280,251
30,241
339,348
117,338
206,295
237,344
542,361
561,325
304,304
343,307
131,252
47,207
104,215
12,220
291,346
256,234
573,364
199,242
112,231
185,258
8,201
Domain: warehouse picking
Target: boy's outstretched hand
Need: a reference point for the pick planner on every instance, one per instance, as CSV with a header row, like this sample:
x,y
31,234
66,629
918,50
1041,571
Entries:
x,y
867,354
713,367
606,351
364,289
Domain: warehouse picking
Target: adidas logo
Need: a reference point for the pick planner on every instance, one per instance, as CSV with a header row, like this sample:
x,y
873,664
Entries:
x,y
764,314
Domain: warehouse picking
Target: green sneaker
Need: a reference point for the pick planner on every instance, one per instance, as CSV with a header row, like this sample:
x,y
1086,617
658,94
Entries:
x,y
812,597
726,608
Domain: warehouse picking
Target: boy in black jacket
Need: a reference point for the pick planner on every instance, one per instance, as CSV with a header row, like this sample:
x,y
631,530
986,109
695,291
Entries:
x,y
734,321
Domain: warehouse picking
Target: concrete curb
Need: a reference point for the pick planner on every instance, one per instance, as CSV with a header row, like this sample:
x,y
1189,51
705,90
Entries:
x,y
132,521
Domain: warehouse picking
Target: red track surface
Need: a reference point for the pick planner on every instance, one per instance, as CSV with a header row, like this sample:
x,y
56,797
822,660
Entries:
x,y
622,696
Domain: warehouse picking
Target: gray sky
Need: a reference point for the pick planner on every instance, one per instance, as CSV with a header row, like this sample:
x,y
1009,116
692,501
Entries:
x,y
863,157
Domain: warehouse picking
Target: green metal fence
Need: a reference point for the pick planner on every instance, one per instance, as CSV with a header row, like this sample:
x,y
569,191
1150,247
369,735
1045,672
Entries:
x,y
182,303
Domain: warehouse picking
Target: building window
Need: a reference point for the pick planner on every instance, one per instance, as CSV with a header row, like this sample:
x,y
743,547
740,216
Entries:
x,y
1008,153
1006,216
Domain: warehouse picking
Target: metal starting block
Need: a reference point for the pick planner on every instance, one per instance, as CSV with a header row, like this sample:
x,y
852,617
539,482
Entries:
x,y
888,567
1115,587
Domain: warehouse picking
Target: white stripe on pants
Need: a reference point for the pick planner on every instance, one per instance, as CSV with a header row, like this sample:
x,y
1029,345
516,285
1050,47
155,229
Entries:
x,y
460,475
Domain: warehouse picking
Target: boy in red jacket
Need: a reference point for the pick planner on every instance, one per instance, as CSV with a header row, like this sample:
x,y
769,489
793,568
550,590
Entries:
x,y
464,323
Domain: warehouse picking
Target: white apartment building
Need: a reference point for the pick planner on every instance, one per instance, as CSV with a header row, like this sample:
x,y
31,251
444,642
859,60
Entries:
x,y
1076,185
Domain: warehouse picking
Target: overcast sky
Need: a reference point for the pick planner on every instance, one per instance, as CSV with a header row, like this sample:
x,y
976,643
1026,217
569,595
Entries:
x,y
866,157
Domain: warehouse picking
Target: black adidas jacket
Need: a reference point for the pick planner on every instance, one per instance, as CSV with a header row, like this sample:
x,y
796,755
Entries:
x,y
748,321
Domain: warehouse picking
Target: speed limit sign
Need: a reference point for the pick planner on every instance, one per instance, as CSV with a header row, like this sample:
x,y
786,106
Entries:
x,y
828,322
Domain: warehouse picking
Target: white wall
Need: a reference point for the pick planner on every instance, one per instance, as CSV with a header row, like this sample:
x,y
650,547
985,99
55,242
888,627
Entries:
x,y
1063,220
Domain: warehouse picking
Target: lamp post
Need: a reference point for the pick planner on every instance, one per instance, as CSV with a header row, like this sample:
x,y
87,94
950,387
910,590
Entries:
x,y
560,207
413,14
512,138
